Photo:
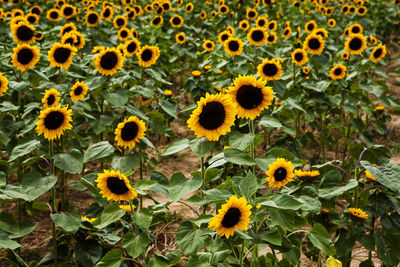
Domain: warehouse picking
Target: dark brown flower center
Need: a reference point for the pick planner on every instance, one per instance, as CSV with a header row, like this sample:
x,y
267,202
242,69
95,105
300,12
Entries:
x,y
298,57
109,60
61,55
50,100
147,55
93,18
257,35
212,116
131,47
377,53
24,33
106,13
233,45
78,90
25,56
356,29
310,27
156,21
68,11
130,131
120,22
231,218
337,71
314,44
176,21
355,44
116,185
54,120
252,14
270,69
124,34
249,97
280,174
54,14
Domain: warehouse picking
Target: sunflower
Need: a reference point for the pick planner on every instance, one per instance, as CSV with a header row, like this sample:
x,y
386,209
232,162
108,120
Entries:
x,y
67,28
361,11
53,121
80,39
306,174
356,29
78,91
148,8
3,84
223,36
314,44
68,11
145,100
213,14
310,26
280,173
251,13
369,176
272,25
345,55
244,25
25,57
189,8
157,20
92,18
271,38
35,10
114,185
176,21
180,38
338,72
223,9
129,132
359,213
39,36
356,44
120,21
131,47
287,32
269,70
23,33
203,15
233,46
84,218
127,207
109,61
51,98
378,53
60,55
250,96
257,36
331,23
213,117
299,57
148,55
107,13
32,18
124,34
134,33
208,45
196,73
262,22
372,40
321,31
69,38
233,215
305,70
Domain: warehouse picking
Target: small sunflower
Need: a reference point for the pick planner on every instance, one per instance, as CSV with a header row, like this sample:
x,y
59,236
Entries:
x,y
176,21
148,55
269,70
67,28
271,38
345,55
196,73
3,84
321,31
356,44
359,213
257,36
32,18
310,26
203,15
251,13
208,45
60,55
120,21
157,20
306,174
287,32
53,122
23,33
223,36
305,70
372,40
244,25
314,44
25,57
129,132
369,176
233,215
107,13
233,46
213,117
92,18
299,57
250,96
338,72
51,98
280,173
378,53
78,91
114,185
97,49
80,39
109,61
262,22
180,38
132,46
223,9
361,11
331,23
356,28
124,34
189,8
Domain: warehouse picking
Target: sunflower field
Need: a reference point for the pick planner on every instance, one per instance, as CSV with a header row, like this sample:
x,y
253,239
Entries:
x,y
204,133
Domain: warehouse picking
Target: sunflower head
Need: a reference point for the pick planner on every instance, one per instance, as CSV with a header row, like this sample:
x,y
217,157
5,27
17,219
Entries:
x,y
223,36
331,23
257,36
233,215
356,44
378,53
369,176
338,72
68,11
23,33
299,57
271,38
129,132
157,20
92,18
114,185
233,46
208,45
180,38
310,26
314,44
109,61
269,70
60,55
120,21
78,91
251,13
176,21
25,57
53,121
67,28
287,32
148,55
132,46
3,84
244,25
51,98
280,173
306,174
359,213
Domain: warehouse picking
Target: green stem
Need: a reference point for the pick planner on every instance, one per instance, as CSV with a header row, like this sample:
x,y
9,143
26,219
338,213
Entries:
x,y
53,206
241,254
204,207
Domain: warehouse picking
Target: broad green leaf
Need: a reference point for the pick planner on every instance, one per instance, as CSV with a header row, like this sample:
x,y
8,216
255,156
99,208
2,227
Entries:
x,y
110,214
201,146
334,191
269,122
320,238
143,218
135,245
272,236
238,157
179,186
113,258
248,186
69,221
142,185
9,225
118,99
98,150
280,201
241,141
387,175
87,251
3,179
169,108
71,161
287,219
126,163
189,239
175,147
23,149
6,242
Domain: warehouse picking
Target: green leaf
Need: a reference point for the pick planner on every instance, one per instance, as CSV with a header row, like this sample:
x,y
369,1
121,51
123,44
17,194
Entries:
x,y
179,186
110,214
280,201
272,236
287,219
269,122
169,108
387,175
113,258
38,74
136,112
6,242
238,157
69,221
135,245
23,149
98,150
9,225
143,218
189,240
126,163
320,86
71,162
142,185
116,99
248,186
241,141
334,191
175,147
201,146
87,251
3,179
320,238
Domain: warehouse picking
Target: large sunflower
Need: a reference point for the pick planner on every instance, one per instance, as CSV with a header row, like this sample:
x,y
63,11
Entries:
x,y
176,21
280,173
299,57
356,44
233,215
208,45
213,117
233,46
23,33
60,55
53,122
337,72
132,46
148,55
314,44
78,91
109,61
257,36
51,98
129,132
269,70
250,96
25,57
114,185
3,84
378,53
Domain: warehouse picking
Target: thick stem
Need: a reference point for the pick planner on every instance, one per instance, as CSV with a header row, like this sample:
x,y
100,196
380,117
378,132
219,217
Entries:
x,y
54,205
204,207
